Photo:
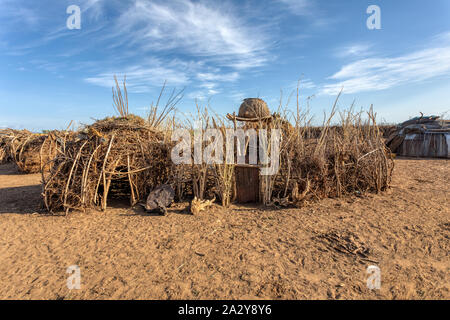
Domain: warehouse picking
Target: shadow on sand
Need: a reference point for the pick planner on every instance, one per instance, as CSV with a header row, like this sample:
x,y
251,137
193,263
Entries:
x,y
21,200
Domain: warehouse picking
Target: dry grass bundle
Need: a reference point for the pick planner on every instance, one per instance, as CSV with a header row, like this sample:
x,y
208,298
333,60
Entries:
x,y
196,179
30,151
155,118
333,160
113,158
200,179
224,172
5,151
120,103
349,159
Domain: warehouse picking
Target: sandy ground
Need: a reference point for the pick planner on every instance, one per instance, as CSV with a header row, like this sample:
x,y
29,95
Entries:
x,y
320,251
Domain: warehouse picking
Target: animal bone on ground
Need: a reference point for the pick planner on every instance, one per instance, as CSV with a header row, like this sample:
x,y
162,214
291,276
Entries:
x,y
198,205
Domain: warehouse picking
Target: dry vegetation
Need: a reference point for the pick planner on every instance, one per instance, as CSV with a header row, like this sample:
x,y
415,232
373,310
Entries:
x,y
30,151
128,156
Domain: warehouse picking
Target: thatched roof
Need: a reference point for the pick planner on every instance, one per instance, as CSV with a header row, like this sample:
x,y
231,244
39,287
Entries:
x,y
129,122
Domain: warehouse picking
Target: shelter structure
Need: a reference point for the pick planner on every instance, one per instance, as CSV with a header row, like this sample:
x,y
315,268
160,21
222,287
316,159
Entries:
x,y
424,136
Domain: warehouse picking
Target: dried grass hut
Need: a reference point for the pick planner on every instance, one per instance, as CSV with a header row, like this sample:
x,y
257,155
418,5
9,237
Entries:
x,y
118,157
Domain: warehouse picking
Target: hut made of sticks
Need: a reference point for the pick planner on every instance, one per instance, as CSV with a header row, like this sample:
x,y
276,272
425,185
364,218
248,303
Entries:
x,y
28,150
118,157
5,153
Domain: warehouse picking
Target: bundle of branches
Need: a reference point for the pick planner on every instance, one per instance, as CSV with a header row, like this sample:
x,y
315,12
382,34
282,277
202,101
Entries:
x,y
30,151
224,175
6,136
193,181
347,159
118,157
327,161
193,178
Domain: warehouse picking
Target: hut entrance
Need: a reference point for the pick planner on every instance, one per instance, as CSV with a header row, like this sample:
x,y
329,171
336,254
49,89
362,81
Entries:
x,y
120,188
247,184
119,191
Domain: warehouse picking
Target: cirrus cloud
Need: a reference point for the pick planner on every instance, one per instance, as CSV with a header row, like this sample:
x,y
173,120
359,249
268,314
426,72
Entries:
x,y
374,74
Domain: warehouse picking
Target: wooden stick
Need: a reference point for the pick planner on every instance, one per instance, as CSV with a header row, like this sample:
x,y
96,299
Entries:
x,y
70,175
130,181
103,167
234,118
86,174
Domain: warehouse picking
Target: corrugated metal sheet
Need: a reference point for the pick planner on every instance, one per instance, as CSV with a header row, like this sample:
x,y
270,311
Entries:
x,y
429,144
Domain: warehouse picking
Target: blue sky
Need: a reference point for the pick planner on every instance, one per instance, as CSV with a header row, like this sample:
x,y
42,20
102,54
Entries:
x,y
221,52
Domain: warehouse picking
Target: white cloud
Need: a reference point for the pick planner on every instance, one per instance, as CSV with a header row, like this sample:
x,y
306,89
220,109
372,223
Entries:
x,y
245,62
13,14
307,84
143,78
237,96
202,94
196,28
354,50
208,85
93,7
221,39
207,89
301,84
224,77
214,35
199,95
442,37
298,7
375,74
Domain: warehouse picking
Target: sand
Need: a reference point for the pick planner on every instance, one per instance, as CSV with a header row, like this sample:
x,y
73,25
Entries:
x,y
320,251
